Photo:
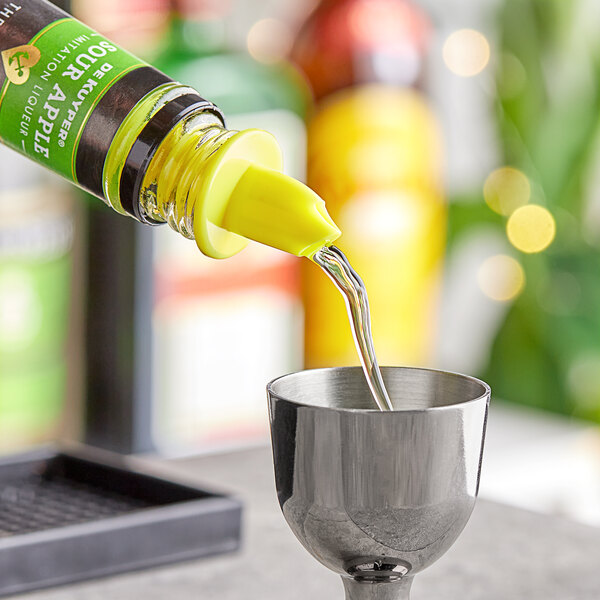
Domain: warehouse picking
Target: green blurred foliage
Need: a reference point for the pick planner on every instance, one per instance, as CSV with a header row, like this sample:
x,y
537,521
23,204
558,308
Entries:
x,y
547,353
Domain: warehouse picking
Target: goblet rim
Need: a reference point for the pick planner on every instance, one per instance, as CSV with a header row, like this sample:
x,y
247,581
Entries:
x,y
485,395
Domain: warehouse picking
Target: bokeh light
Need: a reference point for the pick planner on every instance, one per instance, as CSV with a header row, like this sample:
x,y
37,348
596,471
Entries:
x,y
531,228
269,40
501,277
506,189
466,52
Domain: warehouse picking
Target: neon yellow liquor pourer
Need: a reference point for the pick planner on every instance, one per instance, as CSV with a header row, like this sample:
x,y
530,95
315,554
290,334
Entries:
x,y
223,188
244,195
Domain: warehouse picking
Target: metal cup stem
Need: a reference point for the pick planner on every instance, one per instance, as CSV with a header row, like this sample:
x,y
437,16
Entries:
x,y
397,590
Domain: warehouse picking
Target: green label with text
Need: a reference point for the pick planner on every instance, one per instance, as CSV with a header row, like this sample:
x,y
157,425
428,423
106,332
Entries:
x,y
52,86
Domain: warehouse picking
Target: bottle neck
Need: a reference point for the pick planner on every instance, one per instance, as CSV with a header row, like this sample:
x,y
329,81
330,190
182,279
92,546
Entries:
x,y
141,137
173,161
167,192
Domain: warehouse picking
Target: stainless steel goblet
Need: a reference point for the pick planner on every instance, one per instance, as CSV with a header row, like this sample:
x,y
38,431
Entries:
x,y
377,496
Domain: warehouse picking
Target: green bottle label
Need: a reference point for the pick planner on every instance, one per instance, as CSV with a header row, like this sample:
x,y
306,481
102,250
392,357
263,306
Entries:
x,y
52,86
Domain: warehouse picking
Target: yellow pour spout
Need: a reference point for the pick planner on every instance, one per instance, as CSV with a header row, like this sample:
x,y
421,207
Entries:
x,y
274,209
243,195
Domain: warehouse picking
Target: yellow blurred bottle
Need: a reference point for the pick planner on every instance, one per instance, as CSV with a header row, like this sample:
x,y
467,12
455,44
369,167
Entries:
x,y
374,153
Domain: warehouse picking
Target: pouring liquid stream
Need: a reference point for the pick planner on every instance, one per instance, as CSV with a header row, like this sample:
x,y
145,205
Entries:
x,y
335,264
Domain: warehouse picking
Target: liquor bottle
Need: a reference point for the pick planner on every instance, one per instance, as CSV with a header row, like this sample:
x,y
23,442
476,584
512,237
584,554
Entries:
x,y
151,148
374,153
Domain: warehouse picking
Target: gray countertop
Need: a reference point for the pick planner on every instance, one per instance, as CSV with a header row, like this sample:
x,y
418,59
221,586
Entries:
x,y
504,553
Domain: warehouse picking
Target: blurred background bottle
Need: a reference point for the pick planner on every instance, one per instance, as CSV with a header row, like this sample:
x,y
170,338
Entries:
x,y
117,271
224,328
40,334
374,152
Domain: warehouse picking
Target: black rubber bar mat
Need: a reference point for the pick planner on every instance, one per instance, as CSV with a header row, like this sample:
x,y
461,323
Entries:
x,y
70,516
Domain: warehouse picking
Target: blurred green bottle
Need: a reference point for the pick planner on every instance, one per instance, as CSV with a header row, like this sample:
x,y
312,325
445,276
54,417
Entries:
x,y
197,52
37,222
201,305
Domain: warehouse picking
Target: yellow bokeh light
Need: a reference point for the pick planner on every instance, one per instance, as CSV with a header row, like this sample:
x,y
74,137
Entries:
x,y
466,52
506,189
501,277
269,40
531,228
